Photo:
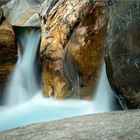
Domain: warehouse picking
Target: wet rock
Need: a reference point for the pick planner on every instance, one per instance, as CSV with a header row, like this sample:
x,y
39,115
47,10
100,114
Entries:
x,y
8,51
72,46
23,12
123,52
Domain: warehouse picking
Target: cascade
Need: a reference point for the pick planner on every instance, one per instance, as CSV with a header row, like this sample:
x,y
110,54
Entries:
x,y
104,100
23,83
23,89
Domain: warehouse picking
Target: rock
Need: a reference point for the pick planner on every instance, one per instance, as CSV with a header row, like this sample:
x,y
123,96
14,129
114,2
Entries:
x,y
1,15
72,46
23,12
123,52
3,2
120,125
8,51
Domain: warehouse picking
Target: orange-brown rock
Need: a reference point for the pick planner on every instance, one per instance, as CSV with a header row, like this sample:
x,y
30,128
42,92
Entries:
x,y
72,47
8,51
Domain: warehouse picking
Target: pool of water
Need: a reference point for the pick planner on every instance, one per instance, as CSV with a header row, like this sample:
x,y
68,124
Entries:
x,y
40,109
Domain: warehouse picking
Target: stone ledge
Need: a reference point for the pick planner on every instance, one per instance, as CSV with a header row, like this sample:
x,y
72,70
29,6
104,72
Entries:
x,y
120,125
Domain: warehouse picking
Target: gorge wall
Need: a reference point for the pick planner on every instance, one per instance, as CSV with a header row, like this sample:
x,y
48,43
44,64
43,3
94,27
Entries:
x,y
123,52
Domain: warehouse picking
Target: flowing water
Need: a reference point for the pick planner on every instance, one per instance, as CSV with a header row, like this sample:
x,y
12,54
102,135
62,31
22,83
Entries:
x,y
23,88
23,84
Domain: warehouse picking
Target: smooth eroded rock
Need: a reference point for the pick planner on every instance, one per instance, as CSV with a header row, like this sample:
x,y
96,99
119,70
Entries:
x,y
122,125
123,52
23,12
72,46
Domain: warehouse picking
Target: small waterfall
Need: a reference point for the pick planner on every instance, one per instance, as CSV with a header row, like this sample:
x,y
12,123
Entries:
x,y
23,83
104,100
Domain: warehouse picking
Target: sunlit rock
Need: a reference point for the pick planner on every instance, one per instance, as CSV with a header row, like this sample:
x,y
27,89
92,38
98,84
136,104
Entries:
x,y
8,50
123,53
72,46
23,12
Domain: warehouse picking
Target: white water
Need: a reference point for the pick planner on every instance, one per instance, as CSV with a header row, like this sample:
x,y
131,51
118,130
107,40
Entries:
x,y
40,109
23,86
22,83
104,100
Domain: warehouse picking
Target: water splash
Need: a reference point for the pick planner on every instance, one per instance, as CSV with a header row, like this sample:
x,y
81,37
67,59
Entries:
x,y
40,109
23,84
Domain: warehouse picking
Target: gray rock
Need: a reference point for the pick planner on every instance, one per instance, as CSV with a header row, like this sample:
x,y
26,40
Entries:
x,y
1,15
123,125
123,52
23,12
3,2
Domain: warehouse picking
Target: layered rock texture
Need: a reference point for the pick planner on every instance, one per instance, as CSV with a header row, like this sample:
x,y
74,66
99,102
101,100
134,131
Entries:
x,y
123,125
23,12
73,41
8,50
123,53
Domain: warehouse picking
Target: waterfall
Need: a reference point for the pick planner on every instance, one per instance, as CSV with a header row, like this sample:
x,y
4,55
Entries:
x,y
104,99
23,83
40,109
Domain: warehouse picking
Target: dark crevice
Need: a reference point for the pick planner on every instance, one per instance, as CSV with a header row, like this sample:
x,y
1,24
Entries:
x,y
52,4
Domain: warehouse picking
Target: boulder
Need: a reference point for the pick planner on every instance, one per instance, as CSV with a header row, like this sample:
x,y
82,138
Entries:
x,y
23,12
8,51
72,47
119,125
123,51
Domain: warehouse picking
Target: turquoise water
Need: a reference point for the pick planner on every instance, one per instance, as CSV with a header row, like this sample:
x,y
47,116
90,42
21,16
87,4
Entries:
x,y
40,109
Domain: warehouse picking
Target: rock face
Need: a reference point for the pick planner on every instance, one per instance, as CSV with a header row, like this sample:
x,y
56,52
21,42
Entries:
x,y
72,46
123,125
8,50
23,12
123,52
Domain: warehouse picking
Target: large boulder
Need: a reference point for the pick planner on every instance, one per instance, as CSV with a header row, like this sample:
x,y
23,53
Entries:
x,y
123,52
118,125
23,12
72,46
8,50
